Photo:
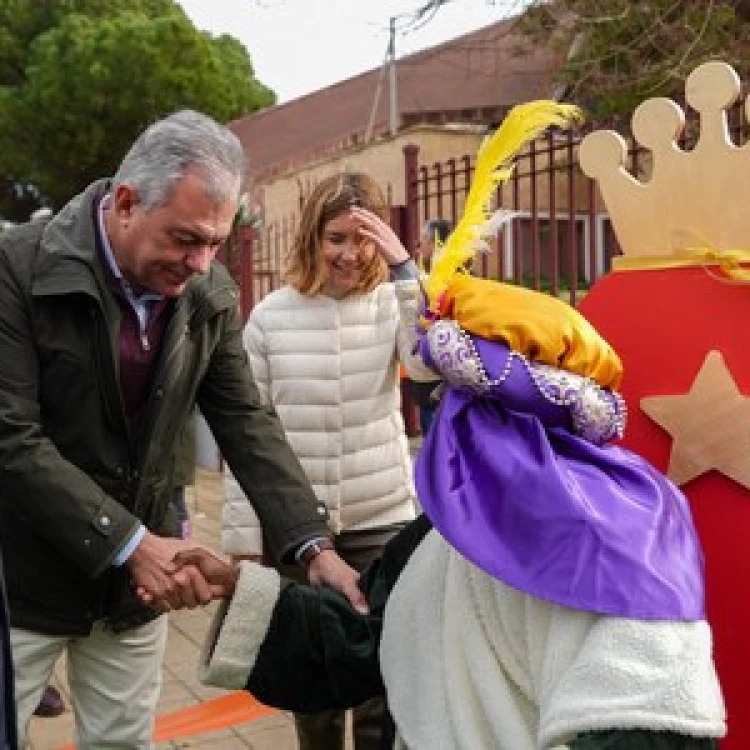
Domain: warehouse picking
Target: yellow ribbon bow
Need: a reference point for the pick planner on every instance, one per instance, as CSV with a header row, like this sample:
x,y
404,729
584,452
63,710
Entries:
x,y
730,261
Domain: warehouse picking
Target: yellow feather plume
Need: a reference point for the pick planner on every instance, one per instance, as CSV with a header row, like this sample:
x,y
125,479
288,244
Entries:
x,y
494,166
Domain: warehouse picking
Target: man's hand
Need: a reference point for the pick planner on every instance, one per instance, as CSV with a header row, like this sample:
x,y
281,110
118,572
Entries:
x,y
328,568
220,575
157,580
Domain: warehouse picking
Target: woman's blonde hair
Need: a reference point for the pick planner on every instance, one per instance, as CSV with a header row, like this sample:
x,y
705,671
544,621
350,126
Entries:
x,y
305,268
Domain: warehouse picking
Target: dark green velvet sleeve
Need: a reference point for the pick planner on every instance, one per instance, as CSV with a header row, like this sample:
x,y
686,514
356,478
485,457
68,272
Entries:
x,y
639,739
319,653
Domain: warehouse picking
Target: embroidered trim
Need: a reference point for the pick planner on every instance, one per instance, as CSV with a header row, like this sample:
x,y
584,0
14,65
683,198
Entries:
x,y
598,415
458,360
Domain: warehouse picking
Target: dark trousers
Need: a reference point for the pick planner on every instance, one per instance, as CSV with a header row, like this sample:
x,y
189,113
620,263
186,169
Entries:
x,y
326,730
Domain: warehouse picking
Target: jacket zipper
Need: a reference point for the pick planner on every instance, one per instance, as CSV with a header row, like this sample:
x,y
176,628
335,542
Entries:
x,y
157,390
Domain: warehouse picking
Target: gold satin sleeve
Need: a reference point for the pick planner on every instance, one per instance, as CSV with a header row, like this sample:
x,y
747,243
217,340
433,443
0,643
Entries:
x,y
542,328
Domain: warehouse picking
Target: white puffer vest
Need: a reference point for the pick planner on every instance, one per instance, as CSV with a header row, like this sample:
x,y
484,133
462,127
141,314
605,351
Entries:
x,y
330,368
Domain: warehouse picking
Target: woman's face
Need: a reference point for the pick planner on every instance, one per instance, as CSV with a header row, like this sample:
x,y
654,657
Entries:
x,y
346,252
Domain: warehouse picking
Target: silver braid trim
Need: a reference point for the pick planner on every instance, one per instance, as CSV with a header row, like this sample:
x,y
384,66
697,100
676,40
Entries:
x,y
598,415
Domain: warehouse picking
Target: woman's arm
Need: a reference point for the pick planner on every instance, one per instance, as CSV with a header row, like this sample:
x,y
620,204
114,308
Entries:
x,y
407,339
256,346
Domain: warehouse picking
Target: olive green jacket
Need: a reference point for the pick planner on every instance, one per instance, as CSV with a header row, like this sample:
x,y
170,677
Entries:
x,y
74,484
184,458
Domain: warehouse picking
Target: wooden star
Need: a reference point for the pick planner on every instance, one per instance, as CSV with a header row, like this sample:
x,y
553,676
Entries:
x,y
709,425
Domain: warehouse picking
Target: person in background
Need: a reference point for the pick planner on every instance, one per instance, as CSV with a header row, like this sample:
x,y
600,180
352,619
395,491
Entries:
x,y
424,394
115,322
434,232
325,351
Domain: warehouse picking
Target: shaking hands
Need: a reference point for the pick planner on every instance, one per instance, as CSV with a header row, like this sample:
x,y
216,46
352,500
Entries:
x,y
173,574
170,574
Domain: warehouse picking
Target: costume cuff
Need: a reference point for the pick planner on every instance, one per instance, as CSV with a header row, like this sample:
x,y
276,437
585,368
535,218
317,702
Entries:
x,y
239,628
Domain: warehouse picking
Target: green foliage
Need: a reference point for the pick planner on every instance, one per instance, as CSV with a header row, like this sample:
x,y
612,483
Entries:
x,y
529,281
77,92
623,51
21,22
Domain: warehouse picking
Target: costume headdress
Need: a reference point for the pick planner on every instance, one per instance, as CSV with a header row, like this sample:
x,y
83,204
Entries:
x,y
503,311
494,165
516,472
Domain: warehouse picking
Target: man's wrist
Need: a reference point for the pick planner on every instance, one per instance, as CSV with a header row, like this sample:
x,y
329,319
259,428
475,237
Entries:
x,y
129,547
310,550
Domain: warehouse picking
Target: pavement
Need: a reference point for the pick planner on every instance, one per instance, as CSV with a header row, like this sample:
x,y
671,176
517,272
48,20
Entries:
x,y
181,688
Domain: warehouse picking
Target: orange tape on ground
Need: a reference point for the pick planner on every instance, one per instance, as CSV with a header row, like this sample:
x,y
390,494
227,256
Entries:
x,y
219,713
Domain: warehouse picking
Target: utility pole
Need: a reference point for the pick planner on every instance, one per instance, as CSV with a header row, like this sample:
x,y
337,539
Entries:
x,y
393,109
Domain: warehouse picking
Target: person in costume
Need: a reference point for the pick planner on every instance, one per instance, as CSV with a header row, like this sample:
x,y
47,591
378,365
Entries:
x,y
552,593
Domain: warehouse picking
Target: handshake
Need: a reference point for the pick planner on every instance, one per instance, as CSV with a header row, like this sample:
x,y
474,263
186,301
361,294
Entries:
x,y
170,574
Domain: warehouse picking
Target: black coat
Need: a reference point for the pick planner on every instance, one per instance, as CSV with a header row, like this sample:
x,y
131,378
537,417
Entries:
x,y
320,654
74,483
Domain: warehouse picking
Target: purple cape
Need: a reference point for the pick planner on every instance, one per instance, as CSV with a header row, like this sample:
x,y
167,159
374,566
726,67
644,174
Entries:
x,y
590,527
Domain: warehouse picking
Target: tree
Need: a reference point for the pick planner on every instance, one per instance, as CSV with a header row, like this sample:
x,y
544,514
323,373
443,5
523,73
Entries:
x,y
79,79
21,22
623,51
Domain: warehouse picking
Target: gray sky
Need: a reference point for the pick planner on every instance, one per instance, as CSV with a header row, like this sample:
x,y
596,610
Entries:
x,y
299,46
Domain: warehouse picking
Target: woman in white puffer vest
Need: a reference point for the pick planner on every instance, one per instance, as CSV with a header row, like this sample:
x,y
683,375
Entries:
x,y
325,351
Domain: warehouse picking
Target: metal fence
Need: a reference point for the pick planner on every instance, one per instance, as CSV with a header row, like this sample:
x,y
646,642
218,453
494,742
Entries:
x,y
560,241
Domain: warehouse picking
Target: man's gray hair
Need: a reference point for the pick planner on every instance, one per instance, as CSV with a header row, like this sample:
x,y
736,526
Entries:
x,y
183,141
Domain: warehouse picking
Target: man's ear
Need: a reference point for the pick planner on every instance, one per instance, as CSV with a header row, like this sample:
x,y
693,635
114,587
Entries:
x,y
124,201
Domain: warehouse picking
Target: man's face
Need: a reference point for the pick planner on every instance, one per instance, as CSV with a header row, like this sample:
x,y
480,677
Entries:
x,y
161,249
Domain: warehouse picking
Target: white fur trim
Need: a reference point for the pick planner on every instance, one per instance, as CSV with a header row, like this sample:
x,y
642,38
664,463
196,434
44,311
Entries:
x,y
471,664
239,628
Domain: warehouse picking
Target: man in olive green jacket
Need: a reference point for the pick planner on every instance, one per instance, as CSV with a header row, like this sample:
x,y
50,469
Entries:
x,y
114,322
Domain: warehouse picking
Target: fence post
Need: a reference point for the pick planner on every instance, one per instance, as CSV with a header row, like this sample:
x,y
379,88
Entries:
x,y
411,164
247,266
410,237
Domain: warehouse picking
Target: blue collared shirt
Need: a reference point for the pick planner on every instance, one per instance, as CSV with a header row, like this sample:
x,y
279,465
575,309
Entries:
x,y
140,304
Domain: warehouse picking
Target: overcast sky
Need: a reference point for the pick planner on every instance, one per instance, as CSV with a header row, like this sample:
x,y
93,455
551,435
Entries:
x,y
299,46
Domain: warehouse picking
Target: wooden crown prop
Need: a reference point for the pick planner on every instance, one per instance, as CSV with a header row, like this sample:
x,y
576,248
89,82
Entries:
x,y
693,209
